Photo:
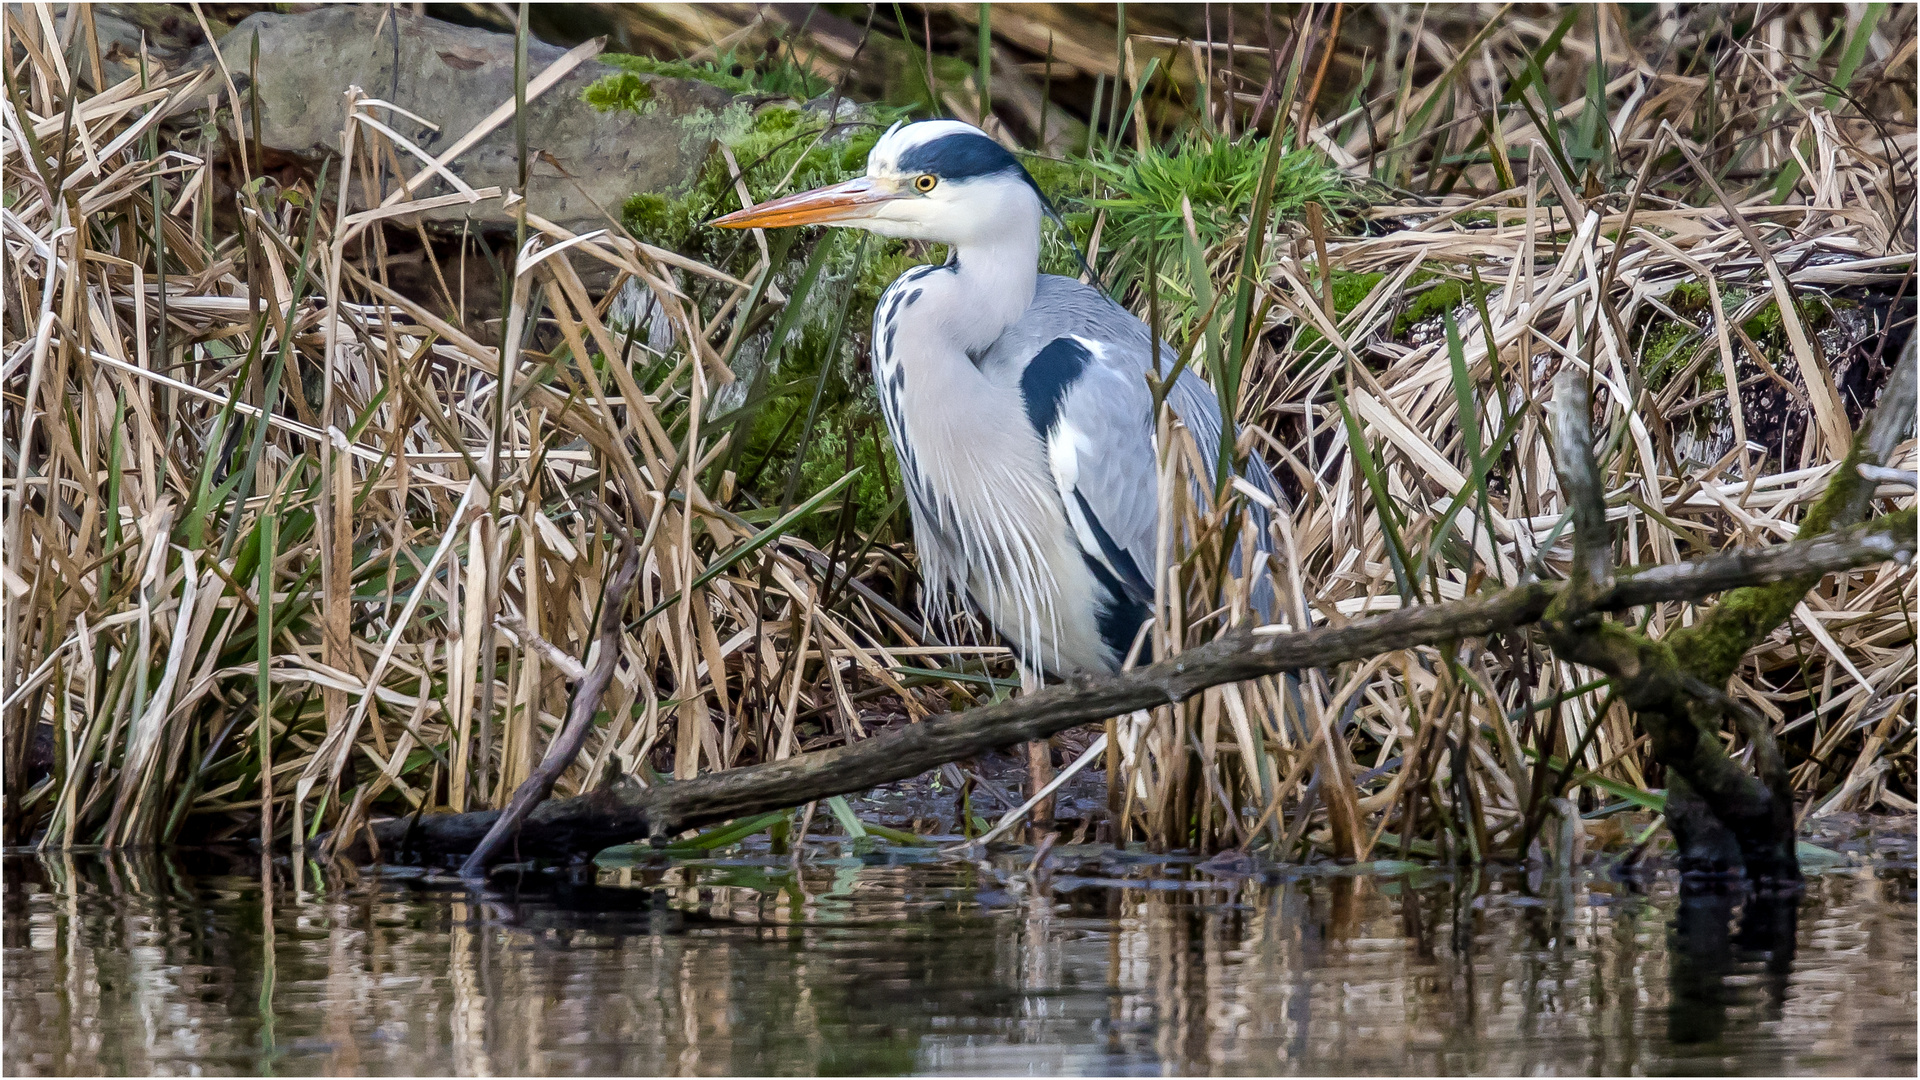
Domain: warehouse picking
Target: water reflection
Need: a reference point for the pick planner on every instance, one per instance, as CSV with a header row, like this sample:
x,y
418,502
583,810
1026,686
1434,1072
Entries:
x,y
893,961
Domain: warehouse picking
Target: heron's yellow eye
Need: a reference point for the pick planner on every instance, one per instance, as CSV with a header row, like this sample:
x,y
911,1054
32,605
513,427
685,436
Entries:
x,y
924,183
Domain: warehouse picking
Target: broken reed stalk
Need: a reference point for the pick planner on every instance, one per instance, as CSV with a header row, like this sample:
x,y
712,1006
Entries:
x,y
625,811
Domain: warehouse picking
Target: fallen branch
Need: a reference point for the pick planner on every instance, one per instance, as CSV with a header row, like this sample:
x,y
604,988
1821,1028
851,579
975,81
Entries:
x,y
1725,816
625,811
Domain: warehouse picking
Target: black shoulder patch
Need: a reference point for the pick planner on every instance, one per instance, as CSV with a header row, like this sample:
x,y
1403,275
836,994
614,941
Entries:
x,y
1048,377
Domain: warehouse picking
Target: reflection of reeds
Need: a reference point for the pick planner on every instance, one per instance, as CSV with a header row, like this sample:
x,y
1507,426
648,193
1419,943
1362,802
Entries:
x,y
129,965
269,511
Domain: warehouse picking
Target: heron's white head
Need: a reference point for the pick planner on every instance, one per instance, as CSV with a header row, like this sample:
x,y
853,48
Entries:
x,y
936,180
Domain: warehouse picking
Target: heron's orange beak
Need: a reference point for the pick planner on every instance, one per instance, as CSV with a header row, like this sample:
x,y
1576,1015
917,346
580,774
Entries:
x,y
821,206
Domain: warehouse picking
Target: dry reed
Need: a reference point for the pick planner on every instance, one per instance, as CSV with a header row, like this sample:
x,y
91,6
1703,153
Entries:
x,y
285,544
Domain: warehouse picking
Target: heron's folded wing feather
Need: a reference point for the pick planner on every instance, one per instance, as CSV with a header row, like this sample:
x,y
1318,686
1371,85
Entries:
x,y
1093,420
1082,361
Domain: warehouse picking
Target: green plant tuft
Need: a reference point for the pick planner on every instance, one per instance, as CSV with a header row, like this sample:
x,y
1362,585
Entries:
x,y
621,90
1444,295
1217,177
729,71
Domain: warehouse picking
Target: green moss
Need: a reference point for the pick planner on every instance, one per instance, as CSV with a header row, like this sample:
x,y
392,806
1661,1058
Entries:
x,y
1714,647
729,71
711,72
1763,324
1690,298
1662,352
892,261
1349,289
650,214
1766,323
621,90
768,145
1446,294
1440,294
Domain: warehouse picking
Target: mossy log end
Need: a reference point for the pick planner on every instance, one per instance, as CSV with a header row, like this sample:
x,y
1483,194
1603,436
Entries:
x,y
624,811
1724,816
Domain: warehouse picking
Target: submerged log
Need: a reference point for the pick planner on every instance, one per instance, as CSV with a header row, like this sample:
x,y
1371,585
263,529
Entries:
x,y
624,810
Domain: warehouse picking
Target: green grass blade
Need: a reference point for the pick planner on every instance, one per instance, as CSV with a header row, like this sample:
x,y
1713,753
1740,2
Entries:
x,y
1850,59
1541,55
926,59
1221,371
274,374
955,676
1139,90
1478,483
731,833
848,821
759,540
826,372
894,836
1383,502
1463,391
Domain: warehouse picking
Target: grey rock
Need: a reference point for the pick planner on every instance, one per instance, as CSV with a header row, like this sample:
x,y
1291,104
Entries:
x,y
582,162
169,31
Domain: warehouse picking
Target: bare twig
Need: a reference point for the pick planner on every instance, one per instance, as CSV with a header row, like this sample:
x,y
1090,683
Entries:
x,y
566,745
1571,415
551,653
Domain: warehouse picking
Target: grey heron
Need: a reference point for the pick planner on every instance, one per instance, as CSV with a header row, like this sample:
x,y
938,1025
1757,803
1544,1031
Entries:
x,y
1017,402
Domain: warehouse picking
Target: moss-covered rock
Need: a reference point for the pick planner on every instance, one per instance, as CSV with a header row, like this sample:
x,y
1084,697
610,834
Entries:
x,y
453,76
729,72
620,90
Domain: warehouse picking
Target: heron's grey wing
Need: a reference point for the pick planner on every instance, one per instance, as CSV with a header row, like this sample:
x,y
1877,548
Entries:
x,y
1089,359
1094,419
1195,403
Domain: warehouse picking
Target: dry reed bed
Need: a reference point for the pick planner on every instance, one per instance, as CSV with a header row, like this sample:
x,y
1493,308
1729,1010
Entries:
x,y
423,523
1589,289
423,526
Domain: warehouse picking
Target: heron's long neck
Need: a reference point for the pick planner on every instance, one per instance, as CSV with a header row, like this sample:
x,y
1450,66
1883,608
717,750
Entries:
x,y
995,279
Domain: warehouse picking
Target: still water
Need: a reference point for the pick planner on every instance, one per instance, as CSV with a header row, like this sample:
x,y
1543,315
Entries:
x,y
898,960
